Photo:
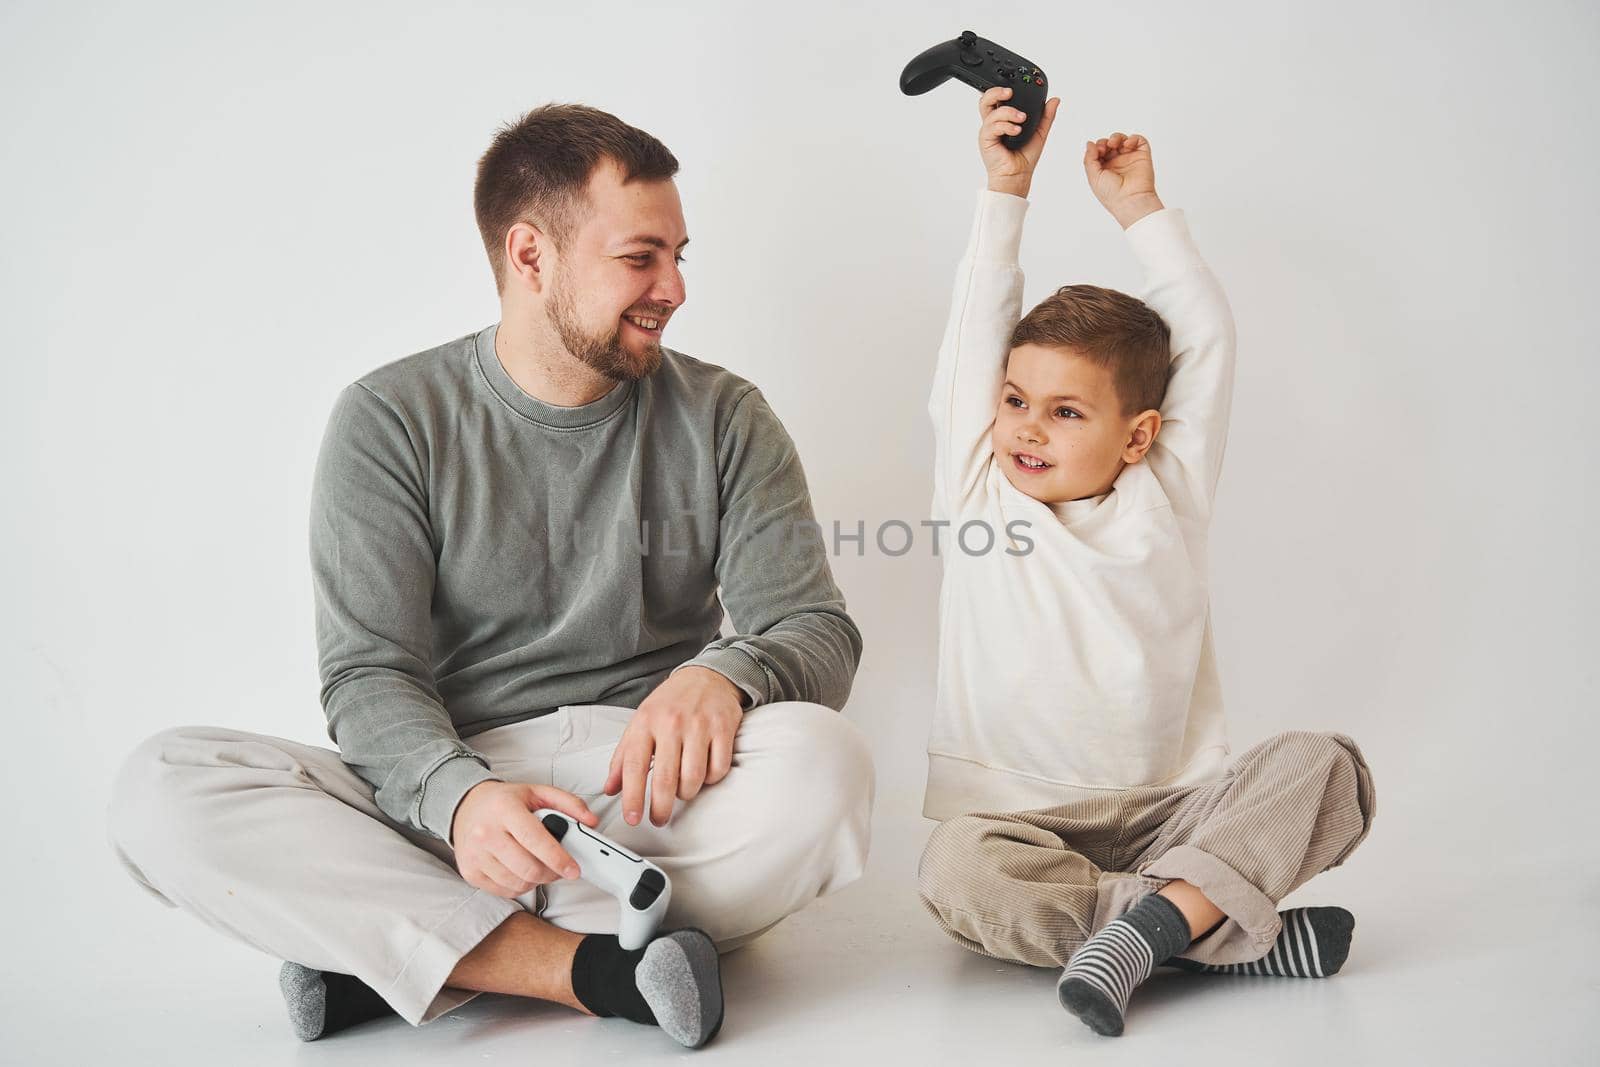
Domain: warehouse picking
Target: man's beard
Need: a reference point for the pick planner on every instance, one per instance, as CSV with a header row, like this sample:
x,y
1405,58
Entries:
x,y
603,352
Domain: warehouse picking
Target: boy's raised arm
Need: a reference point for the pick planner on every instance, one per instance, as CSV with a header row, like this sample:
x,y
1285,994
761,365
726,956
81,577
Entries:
x,y
984,308
1178,286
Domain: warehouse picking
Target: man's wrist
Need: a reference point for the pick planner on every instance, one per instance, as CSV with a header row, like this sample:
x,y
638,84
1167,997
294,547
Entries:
x,y
739,695
452,802
1127,212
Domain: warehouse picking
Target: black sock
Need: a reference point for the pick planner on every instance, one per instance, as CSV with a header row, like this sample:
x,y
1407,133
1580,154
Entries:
x,y
324,1002
603,979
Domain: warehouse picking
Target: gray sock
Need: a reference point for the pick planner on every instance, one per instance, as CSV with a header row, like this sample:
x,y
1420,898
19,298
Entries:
x,y
324,1002
1097,981
678,977
1313,943
681,979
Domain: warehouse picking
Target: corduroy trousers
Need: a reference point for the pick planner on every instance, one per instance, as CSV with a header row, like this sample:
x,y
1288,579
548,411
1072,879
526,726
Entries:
x,y
1032,886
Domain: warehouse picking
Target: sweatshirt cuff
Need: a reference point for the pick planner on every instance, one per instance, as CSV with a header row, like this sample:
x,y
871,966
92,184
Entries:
x,y
738,667
443,789
997,230
1162,244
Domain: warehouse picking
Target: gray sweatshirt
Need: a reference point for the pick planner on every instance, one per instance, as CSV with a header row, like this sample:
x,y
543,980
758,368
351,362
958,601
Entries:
x,y
481,557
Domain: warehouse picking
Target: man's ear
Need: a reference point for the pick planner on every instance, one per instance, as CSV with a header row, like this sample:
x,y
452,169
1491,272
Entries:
x,y
526,250
1141,435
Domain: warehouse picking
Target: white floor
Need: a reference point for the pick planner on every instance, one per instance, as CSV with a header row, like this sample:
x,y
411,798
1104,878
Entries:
x,y
1447,967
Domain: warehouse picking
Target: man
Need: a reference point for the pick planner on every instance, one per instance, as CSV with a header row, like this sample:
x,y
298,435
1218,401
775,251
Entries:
x,y
517,541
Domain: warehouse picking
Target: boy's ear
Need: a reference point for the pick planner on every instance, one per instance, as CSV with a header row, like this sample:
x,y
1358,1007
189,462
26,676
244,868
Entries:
x,y
1141,435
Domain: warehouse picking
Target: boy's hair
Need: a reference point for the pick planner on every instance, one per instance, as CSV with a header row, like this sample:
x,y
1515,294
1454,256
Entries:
x,y
1111,330
537,167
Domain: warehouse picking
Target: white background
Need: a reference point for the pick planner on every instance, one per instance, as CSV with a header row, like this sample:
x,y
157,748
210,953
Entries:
x,y
216,215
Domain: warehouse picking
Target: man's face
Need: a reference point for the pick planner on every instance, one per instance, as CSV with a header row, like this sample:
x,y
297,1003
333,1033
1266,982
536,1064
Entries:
x,y
1059,408
616,280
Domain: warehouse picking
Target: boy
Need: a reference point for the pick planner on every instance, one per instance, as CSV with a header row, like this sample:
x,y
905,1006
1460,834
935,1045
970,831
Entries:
x,y
1079,708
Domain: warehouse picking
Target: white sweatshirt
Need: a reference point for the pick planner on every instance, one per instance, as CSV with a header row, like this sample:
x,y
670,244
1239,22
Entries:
x,y
1082,661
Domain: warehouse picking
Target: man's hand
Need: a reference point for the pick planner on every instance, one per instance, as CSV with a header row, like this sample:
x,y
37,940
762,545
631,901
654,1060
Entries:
x,y
686,725
501,848
1010,171
1122,176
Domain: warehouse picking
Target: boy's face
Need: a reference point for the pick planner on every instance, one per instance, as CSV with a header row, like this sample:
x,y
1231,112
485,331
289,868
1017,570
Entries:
x,y
1058,408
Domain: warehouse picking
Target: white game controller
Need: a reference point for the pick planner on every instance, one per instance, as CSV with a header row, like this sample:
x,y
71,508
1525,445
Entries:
x,y
641,888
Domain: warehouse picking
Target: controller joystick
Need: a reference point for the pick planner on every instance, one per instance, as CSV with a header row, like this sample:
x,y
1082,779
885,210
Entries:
x,y
983,65
642,889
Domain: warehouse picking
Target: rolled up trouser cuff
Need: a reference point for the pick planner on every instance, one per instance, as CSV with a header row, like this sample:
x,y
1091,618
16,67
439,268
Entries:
x,y
1115,893
1252,922
419,994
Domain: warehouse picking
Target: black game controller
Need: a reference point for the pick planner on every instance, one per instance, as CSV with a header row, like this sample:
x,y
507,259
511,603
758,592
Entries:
x,y
983,65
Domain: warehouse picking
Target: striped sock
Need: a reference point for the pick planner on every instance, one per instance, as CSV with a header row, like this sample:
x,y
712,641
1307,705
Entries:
x,y
1097,981
1312,944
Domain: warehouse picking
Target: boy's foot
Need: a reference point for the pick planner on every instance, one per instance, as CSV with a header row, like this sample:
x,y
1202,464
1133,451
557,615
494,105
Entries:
x,y
674,982
1313,943
1096,983
324,1002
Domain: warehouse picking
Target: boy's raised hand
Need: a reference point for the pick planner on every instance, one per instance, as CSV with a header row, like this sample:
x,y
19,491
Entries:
x,y
1122,176
1010,171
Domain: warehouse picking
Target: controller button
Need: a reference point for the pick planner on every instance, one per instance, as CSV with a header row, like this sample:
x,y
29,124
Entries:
x,y
972,59
648,888
968,39
556,825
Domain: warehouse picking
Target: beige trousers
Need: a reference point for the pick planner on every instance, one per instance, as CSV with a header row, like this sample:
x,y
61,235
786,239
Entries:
x,y
1032,886
280,845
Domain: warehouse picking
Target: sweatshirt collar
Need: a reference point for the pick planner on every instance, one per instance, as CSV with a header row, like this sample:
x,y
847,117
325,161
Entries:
x,y
1069,511
531,407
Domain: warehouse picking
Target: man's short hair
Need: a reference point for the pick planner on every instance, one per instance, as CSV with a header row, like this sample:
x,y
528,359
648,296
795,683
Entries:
x,y
1111,330
537,168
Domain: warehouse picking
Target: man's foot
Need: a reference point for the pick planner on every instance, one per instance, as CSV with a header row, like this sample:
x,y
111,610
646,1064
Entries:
x,y
1097,981
1313,943
674,982
681,979
324,1002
